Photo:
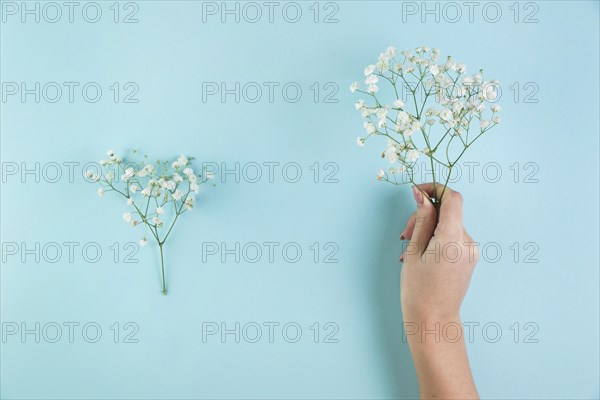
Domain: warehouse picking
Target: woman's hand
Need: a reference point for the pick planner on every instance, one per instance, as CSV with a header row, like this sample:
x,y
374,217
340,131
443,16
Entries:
x,y
438,260
438,263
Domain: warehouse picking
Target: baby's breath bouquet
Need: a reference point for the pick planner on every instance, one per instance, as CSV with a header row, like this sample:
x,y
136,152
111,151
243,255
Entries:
x,y
433,110
157,194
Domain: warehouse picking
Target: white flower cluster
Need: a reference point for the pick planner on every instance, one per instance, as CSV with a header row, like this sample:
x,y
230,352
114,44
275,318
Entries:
x,y
435,114
150,189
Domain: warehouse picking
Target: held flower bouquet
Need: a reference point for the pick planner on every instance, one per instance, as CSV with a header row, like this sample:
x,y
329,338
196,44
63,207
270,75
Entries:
x,y
428,112
156,193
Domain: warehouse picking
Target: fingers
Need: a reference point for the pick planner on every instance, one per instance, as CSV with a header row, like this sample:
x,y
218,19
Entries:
x,y
424,226
451,212
410,226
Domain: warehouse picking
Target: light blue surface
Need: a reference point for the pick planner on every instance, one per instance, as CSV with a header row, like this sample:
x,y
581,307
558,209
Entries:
x,y
169,53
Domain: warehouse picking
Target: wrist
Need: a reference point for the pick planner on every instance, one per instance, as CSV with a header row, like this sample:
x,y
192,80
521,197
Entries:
x,y
433,329
429,317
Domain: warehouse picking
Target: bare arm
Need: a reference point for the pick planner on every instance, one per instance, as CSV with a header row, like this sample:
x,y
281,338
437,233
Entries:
x,y
438,263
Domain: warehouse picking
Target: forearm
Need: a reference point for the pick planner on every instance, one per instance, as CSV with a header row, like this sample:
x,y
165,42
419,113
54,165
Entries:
x,y
441,362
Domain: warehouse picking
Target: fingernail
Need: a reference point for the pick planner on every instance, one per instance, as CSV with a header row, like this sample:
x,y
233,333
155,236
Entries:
x,y
402,237
418,195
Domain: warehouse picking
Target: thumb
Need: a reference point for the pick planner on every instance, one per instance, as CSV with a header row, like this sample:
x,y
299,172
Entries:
x,y
424,226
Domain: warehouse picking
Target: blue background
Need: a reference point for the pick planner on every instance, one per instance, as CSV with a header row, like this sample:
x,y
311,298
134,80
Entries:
x,y
169,53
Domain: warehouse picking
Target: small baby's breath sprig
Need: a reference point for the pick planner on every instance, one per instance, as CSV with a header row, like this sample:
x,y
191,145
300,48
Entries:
x,y
434,117
157,194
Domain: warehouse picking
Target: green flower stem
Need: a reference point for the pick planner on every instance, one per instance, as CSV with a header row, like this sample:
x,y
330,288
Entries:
x,y
162,264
